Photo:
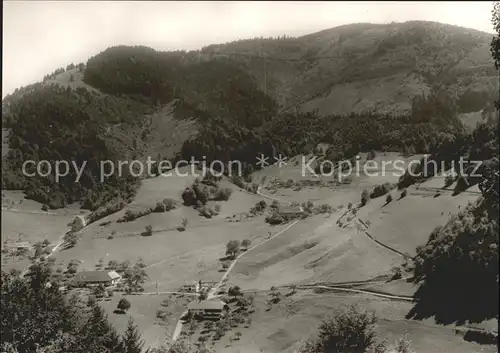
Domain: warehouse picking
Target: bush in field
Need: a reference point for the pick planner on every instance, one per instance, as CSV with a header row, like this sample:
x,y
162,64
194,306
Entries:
x,y
184,224
134,277
73,267
131,215
123,305
140,263
223,194
106,210
232,248
123,266
148,231
261,205
100,264
396,273
462,184
403,345
239,182
165,205
365,197
189,197
411,176
234,291
308,206
275,296
388,199
253,188
380,190
350,330
113,265
202,193
245,243
323,208
448,181
207,212
209,179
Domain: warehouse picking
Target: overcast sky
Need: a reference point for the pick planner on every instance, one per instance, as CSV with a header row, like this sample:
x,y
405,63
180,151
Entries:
x,y
40,36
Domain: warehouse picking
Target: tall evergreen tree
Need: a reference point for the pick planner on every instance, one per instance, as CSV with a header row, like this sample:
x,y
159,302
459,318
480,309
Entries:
x,y
98,333
131,339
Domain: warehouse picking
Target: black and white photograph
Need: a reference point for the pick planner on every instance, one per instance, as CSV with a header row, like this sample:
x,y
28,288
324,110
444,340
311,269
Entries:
x,y
250,176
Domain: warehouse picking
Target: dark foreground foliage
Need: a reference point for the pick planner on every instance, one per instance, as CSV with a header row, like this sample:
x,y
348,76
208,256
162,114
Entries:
x,y
458,267
351,331
36,317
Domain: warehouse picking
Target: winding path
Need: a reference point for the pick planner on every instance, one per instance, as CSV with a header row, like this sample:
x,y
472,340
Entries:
x,y
52,251
15,210
365,291
270,197
378,242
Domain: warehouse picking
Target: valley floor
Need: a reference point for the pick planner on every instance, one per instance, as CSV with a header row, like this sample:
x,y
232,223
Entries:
x,y
356,251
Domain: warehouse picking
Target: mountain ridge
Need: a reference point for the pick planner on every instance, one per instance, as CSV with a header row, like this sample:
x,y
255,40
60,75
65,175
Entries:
x,y
370,45
229,102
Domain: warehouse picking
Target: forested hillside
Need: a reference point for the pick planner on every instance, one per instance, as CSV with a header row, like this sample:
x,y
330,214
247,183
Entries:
x,y
459,262
225,107
54,123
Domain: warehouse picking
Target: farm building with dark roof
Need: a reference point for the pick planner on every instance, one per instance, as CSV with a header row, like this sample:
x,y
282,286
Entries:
x,y
106,278
209,309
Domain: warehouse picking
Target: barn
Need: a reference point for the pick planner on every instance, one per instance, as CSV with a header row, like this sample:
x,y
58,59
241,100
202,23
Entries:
x,y
209,309
89,278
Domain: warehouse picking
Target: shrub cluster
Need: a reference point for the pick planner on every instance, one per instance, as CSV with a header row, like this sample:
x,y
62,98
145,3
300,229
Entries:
x,y
380,190
208,189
